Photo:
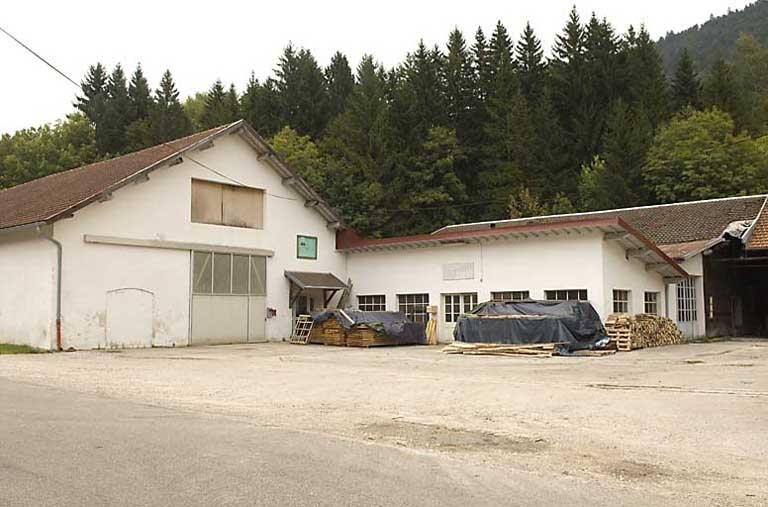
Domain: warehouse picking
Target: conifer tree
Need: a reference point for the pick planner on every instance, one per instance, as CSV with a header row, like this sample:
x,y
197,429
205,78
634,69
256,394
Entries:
x,y
458,84
686,87
111,134
232,104
646,83
216,111
167,117
340,81
260,106
94,93
719,89
301,86
139,95
529,60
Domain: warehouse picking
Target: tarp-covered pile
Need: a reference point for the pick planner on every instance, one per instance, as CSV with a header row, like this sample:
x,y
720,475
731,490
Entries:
x,y
574,324
386,328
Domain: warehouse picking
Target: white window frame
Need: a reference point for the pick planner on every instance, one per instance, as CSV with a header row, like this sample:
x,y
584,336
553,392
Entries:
x,y
621,300
372,303
566,295
687,310
252,289
501,296
651,304
456,304
414,306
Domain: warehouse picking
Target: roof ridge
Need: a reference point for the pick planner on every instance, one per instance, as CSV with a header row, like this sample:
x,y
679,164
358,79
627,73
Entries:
x,y
582,213
123,156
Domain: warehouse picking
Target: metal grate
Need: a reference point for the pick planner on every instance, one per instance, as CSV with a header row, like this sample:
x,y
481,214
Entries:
x,y
302,329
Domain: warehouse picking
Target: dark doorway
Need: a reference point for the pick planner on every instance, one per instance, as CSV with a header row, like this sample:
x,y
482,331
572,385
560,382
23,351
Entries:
x,y
736,291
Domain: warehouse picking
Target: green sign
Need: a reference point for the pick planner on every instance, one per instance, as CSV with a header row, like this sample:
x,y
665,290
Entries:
x,y
306,247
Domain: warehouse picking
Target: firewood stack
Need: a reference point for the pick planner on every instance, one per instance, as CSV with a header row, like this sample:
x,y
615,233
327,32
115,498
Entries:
x,y
641,331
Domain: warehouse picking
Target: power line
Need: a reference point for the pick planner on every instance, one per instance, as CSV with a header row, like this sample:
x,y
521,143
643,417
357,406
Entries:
x,y
40,57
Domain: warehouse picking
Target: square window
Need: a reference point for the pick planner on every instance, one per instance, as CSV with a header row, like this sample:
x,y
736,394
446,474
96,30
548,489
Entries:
x,y
651,303
306,247
414,306
620,301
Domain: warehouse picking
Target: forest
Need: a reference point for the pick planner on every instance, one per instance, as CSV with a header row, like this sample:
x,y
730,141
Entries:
x,y
486,127
717,37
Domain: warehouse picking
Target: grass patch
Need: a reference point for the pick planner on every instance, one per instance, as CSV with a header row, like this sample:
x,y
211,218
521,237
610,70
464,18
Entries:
x,y
7,348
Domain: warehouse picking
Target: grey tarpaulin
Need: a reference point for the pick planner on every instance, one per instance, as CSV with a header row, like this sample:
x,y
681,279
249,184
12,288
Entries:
x,y
575,323
393,324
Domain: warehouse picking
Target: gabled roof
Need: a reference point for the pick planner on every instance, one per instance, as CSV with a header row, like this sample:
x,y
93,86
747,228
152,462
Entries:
x,y
615,228
663,224
58,195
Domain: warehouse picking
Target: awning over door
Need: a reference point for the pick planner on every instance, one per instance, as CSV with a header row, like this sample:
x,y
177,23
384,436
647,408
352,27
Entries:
x,y
302,281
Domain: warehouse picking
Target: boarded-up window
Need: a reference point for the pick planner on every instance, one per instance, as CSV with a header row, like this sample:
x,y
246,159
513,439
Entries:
x,y
220,204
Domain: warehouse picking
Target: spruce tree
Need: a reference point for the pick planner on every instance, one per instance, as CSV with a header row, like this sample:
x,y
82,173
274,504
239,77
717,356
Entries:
x,y
686,87
301,86
647,87
232,104
340,81
139,95
260,106
167,116
569,89
111,134
529,60
217,110
628,136
719,89
94,93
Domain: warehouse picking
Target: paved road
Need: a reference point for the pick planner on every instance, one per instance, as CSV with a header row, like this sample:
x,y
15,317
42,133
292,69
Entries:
x,y
62,448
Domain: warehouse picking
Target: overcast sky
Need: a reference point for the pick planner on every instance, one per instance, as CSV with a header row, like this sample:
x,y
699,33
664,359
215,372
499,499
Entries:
x,y
202,41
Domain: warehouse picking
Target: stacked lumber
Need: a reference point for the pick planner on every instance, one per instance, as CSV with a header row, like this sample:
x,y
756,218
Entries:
x,y
329,332
501,349
641,331
364,336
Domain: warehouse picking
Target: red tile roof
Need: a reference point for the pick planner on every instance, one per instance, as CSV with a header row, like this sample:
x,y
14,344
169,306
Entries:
x,y
664,224
759,239
44,199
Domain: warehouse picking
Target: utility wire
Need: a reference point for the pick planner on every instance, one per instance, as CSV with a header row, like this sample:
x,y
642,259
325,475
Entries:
x,y
40,57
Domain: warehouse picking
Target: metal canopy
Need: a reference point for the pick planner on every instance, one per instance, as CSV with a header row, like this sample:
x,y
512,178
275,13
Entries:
x,y
302,281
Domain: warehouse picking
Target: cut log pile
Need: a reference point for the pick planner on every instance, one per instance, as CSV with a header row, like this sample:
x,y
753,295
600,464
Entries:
x,y
641,331
496,349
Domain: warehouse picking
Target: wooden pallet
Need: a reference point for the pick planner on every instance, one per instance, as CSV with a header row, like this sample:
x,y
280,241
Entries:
x,y
302,330
501,349
624,344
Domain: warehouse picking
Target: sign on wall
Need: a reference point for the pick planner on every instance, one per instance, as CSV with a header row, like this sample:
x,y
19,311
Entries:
x,y
459,271
306,247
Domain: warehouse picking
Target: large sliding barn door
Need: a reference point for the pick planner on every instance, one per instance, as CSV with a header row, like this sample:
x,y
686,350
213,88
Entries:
x,y
228,298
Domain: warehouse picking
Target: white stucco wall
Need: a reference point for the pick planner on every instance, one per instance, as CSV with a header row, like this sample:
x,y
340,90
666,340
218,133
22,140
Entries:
x,y
27,296
160,209
630,274
534,264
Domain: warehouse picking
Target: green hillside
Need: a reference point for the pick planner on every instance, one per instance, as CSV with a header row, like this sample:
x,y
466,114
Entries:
x,y
716,37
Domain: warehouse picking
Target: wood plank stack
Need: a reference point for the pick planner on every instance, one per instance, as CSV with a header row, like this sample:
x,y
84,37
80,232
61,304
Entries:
x,y
329,332
501,349
641,331
364,336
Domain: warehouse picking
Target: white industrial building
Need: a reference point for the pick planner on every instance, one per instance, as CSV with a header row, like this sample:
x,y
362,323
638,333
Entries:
x,y
213,239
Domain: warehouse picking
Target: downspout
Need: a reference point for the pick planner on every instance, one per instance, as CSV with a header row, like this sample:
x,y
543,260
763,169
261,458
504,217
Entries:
x,y
58,283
